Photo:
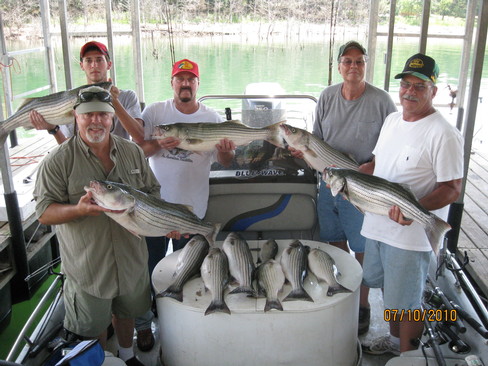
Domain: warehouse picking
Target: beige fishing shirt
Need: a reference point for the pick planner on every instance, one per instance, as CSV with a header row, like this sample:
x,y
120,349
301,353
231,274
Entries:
x,y
97,253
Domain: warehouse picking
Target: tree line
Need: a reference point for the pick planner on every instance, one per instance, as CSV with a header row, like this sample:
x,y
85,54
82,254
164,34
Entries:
x,y
16,13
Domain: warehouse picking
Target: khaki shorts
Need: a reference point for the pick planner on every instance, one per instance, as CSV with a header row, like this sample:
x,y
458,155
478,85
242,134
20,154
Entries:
x,y
89,316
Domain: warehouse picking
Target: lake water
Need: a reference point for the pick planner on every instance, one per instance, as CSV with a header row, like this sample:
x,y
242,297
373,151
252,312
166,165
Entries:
x,y
228,64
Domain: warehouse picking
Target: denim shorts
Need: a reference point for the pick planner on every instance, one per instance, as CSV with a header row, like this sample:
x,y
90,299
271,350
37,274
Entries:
x,y
339,220
401,273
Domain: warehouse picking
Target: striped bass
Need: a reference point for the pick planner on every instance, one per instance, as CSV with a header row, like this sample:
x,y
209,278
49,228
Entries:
x,y
268,251
147,215
322,265
377,195
56,109
204,136
317,153
294,263
241,264
215,275
270,280
188,265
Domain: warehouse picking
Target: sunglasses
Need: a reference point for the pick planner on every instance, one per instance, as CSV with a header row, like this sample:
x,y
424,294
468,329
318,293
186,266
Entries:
x,y
88,97
420,87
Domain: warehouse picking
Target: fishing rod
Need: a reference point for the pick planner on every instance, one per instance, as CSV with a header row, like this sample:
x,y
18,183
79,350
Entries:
x,y
434,339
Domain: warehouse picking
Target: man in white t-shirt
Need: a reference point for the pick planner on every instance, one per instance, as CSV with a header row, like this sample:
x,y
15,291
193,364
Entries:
x,y
418,148
183,175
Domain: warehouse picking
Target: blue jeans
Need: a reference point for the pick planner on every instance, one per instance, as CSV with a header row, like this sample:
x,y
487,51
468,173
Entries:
x,y
339,220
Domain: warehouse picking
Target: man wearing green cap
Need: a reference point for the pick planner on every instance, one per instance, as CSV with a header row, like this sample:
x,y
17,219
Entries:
x,y
105,265
420,149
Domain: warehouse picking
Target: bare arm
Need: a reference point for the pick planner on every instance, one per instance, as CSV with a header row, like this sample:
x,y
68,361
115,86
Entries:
x,y
445,194
135,127
38,121
151,147
60,213
367,168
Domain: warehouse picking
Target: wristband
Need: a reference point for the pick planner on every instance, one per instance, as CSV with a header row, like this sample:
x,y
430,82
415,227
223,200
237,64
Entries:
x,y
54,130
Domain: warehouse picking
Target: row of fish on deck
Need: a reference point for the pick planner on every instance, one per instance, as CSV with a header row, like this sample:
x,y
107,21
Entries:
x,y
144,215
233,263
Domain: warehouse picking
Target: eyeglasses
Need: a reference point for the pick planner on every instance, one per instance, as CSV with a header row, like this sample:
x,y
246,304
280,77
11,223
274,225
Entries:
x,y
180,80
420,87
349,62
102,96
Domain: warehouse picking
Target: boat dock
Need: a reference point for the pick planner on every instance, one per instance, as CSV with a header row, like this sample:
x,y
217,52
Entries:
x,y
473,236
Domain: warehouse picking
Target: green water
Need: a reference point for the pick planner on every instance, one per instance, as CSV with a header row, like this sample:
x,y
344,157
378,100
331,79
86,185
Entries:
x,y
227,65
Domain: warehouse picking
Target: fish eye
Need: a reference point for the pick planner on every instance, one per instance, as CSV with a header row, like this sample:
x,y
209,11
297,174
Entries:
x,y
109,186
166,128
294,130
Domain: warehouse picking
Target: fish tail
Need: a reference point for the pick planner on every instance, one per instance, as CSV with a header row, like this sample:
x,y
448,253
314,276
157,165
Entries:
x,y
338,288
173,292
212,236
217,306
243,289
435,229
274,136
273,304
298,294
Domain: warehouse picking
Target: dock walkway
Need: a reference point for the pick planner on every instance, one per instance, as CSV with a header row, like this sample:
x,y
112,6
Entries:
x,y
473,236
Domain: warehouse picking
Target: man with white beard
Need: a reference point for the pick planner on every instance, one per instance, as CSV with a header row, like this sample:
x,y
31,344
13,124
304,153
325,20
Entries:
x,y
105,265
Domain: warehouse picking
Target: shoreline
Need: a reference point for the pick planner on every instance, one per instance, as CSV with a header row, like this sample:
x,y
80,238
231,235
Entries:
x,y
285,30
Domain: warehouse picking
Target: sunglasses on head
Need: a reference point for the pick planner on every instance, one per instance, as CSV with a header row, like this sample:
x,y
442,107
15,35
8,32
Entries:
x,y
102,96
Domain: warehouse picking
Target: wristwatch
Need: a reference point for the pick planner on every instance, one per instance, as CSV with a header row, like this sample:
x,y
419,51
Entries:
x,y
54,130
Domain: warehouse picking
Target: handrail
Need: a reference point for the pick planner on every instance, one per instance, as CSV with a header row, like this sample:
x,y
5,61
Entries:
x,y
33,316
257,96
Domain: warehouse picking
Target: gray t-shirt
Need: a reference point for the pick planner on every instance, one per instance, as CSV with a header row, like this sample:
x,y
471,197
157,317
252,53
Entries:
x,y
352,126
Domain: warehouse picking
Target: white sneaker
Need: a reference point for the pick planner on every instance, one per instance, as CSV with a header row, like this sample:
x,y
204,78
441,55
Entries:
x,y
381,345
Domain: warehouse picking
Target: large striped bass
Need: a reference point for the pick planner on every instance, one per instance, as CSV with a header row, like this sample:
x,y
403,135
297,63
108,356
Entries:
x,y
377,195
294,263
317,153
203,136
146,215
241,264
323,266
270,279
188,265
215,276
56,108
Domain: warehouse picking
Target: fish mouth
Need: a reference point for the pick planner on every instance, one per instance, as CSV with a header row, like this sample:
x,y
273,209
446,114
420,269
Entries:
x,y
285,129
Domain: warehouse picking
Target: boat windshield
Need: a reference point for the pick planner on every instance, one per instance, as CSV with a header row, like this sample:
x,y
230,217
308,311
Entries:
x,y
261,161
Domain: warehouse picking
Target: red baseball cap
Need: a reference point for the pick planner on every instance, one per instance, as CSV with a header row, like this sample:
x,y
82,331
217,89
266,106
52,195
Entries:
x,y
185,65
94,45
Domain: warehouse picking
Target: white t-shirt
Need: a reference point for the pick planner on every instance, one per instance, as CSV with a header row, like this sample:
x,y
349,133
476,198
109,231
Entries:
x,y
129,101
183,175
417,154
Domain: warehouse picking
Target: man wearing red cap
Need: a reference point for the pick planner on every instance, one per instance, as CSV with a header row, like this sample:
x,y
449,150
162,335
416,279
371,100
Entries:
x,y
95,62
184,175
